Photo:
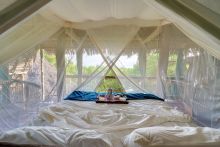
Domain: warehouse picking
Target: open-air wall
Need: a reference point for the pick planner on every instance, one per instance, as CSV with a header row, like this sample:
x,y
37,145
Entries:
x,y
159,60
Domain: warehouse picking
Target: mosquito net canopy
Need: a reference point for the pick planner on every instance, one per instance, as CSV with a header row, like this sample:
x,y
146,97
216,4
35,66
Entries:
x,y
166,48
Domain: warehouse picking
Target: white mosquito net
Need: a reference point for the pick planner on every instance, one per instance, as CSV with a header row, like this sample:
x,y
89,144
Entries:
x,y
44,58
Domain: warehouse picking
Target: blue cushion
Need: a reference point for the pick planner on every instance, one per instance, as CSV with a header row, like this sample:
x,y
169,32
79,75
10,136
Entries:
x,y
141,96
82,96
92,96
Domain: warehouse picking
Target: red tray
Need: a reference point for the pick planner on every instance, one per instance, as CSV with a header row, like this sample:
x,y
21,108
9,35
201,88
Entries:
x,y
112,102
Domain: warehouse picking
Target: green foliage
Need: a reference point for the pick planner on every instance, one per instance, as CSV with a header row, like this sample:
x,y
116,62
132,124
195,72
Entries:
x,y
89,70
134,71
110,81
152,64
51,58
171,69
71,69
151,70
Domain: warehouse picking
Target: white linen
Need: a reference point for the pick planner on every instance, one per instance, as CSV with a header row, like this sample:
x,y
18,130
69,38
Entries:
x,y
98,10
192,30
172,135
107,117
56,136
36,135
87,124
25,36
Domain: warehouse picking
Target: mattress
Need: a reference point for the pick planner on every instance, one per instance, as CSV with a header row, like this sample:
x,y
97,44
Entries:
x,y
75,123
107,117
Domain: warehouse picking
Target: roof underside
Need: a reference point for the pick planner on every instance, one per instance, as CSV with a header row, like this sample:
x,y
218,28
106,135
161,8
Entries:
x,y
14,11
91,14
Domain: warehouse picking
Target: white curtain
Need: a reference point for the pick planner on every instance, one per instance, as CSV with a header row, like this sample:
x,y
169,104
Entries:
x,y
154,56
110,42
25,36
193,29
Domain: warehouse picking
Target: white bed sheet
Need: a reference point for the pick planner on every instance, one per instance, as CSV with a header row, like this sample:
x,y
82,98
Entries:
x,y
111,117
83,124
172,135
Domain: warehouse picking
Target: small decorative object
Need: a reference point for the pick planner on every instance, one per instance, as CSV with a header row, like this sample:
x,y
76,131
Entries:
x,y
109,98
109,95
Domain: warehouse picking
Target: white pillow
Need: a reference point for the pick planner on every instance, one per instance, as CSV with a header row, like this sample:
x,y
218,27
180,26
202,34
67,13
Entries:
x,y
171,135
88,138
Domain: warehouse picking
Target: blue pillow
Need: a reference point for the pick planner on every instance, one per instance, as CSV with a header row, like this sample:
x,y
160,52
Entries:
x,y
82,96
92,96
141,96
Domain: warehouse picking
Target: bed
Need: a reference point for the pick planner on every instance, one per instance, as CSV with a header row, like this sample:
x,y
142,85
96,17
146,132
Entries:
x,y
139,123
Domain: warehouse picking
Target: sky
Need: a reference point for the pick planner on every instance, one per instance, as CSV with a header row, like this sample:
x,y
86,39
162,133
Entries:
x,y
94,60
123,61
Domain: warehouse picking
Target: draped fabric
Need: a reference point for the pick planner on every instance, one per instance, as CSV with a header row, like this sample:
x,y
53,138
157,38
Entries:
x,y
148,46
198,22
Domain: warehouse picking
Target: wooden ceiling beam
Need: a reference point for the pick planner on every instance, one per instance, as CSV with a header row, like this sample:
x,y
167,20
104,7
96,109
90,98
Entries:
x,y
18,11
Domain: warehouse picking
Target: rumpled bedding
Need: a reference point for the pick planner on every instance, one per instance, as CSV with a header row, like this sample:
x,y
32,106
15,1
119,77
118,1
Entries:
x,y
56,136
111,117
87,124
172,135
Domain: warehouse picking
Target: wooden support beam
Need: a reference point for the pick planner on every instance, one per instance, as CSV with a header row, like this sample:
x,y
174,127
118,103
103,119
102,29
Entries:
x,y
18,11
42,73
142,60
79,58
61,71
